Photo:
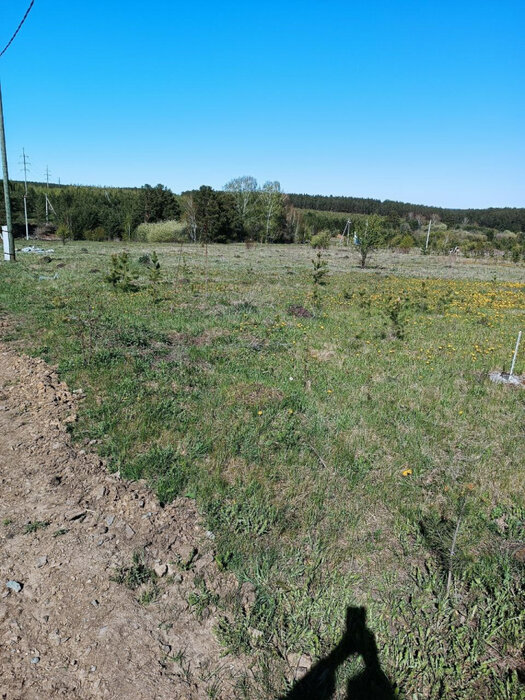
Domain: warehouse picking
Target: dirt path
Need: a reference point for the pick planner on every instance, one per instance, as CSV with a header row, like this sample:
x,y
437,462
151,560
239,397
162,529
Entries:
x,y
71,630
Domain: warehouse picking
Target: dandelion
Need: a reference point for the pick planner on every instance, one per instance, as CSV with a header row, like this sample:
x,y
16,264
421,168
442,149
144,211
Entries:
x,y
406,472
259,413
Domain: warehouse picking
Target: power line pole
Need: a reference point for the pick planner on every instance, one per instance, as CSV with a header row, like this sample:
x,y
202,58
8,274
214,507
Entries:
x,y
428,235
47,193
24,158
9,246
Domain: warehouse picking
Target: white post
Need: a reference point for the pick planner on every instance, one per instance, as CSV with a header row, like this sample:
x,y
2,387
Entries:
x,y
25,191
428,234
7,240
515,355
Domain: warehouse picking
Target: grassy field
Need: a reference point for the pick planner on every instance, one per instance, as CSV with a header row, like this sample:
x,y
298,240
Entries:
x,y
336,456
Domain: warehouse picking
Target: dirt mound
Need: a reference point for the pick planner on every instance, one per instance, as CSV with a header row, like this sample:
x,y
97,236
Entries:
x,y
72,536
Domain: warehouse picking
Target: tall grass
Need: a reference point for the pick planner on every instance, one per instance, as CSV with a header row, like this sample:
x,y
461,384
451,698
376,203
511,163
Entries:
x,y
161,232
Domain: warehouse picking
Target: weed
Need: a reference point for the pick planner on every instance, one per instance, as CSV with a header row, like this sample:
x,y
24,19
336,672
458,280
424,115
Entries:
x,y
233,636
134,575
35,526
150,594
60,532
202,598
186,564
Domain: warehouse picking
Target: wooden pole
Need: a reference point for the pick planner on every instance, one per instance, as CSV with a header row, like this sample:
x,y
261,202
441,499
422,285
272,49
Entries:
x,y
428,234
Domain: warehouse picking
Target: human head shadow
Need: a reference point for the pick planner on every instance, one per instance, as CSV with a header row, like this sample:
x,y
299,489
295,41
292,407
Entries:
x,y
370,684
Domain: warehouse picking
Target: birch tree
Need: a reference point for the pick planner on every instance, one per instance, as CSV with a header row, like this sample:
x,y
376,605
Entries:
x,y
272,205
244,190
190,215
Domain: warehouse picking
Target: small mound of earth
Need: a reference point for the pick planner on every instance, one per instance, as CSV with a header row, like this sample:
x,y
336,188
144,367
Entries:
x,y
299,311
68,628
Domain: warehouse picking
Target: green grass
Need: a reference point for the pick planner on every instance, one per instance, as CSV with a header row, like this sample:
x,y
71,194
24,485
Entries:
x,y
331,456
35,526
136,575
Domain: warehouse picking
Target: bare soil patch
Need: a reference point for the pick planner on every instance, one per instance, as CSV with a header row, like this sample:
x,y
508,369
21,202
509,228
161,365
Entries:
x,y
66,527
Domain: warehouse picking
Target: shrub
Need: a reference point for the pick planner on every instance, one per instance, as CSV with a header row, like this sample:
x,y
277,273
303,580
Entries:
x,y
63,233
321,240
406,243
162,232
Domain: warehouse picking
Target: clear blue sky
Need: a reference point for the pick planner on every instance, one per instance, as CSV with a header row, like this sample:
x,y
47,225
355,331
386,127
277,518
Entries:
x,y
419,101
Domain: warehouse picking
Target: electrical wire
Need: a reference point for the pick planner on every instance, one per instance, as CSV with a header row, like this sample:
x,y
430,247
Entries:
x,y
17,29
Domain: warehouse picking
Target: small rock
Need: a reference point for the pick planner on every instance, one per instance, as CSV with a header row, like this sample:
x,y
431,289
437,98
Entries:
x,y
35,660
160,569
100,491
40,562
209,534
110,519
15,586
130,532
300,663
166,648
92,669
94,602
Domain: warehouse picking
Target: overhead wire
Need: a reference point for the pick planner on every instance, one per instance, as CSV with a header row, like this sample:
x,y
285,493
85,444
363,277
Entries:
x,y
17,29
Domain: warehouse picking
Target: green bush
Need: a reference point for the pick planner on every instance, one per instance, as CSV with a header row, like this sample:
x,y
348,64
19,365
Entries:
x,y
403,241
406,243
161,232
321,240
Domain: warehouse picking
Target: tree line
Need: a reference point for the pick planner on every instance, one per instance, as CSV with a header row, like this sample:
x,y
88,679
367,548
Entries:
x,y
501,219
242,210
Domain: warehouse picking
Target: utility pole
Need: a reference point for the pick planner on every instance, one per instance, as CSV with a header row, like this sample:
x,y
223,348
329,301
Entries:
x,y
47,193
9,246
428,235
24,158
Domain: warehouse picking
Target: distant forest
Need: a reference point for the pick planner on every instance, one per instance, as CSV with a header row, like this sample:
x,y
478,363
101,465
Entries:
x,y
501,219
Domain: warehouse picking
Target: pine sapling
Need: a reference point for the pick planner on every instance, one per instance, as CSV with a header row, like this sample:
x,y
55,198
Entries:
x,y
319,274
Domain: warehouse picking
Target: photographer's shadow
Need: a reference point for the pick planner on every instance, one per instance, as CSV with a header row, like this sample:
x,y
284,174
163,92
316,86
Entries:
x,y
370,684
